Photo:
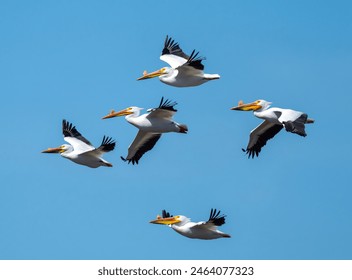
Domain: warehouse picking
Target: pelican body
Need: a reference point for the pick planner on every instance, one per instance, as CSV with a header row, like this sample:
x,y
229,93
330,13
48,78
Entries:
x,y
201,230
151,126
274,120
80,150
185,71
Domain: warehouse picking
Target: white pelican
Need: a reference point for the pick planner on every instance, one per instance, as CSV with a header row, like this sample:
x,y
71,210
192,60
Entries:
x,y
185,71
81,151
274,120
151,126
200,230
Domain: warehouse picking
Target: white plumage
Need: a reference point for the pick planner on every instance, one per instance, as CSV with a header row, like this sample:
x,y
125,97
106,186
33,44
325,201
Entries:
x,y
151,126
274,120
185,71
80,150
200,230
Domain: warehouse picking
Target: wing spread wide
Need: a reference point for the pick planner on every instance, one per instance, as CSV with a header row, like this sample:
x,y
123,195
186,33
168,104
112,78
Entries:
x,y
172,48
194,61
215,220
260,135
143,143
72,136
107,145
173,55
165,110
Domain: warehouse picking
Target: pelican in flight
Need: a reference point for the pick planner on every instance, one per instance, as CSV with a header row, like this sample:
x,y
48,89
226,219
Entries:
x,y
151,125
185,71
80,150
274,120
200,230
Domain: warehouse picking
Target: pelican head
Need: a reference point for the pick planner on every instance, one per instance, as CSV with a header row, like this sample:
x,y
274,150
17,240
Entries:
x,y
254,106
157,73
59,150
125,112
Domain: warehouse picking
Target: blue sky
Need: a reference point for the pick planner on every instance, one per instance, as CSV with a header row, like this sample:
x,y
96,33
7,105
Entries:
x,y
79,59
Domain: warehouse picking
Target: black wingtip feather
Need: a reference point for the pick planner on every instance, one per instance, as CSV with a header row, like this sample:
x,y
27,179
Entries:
x,y
216,218
68,129
166,214
196,61
256,148
133,160
167,105
108,144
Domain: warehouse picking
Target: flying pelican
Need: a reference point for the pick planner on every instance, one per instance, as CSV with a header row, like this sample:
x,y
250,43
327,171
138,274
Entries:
x,y
80,150
274,120
185,71
200,230
151,126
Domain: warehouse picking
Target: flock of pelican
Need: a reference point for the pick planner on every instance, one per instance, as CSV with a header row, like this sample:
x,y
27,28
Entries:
x,y
184,71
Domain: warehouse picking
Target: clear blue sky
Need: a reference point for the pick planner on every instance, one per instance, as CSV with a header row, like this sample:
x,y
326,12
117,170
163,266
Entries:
x,y
79,59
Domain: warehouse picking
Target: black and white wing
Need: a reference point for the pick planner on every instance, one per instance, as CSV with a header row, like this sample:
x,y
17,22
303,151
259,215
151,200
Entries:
x,y
259,136
172,54
107,145
72,136
215,220
144,142
166,214
294,122
193,67
165,110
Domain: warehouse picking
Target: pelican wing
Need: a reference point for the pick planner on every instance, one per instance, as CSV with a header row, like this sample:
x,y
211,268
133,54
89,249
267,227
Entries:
x,y
194,61
260,135
143,143
215,220
294,121
72,136
107,145
165,110
172,53
166,214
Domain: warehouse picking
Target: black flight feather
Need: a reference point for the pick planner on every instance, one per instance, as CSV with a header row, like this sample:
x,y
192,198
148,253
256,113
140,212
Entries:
x,y
166,214
255,149
195,61
69,130
167,105
108,144
171,47
216,218
147,146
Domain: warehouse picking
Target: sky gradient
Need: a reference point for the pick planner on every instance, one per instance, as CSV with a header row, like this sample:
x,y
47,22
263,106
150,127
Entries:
x,y
77,60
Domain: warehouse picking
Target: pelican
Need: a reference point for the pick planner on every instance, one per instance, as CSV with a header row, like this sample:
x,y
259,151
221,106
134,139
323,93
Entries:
x,y
151,125
185,71
200,230
274,120
80,150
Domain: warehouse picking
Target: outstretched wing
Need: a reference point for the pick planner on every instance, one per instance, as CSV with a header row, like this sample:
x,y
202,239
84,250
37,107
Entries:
x,y
143,143
259,136
172,53
215,220
107,145
72,136
172,48
192,67
165,110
